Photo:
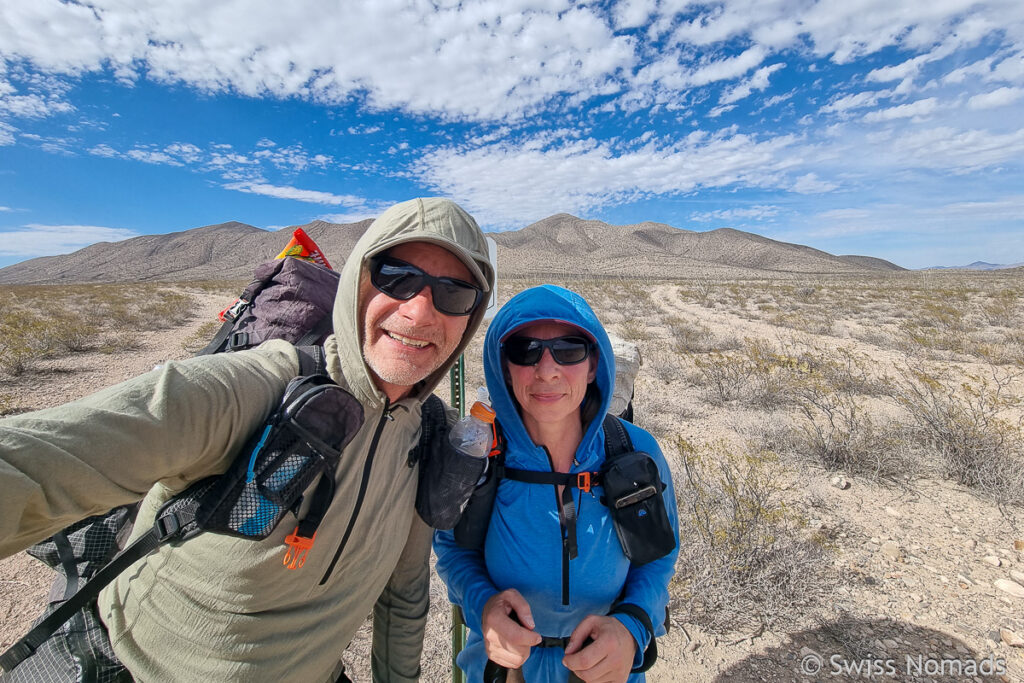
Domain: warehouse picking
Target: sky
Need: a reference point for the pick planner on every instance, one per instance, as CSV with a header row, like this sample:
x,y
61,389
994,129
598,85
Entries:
x,y
886,128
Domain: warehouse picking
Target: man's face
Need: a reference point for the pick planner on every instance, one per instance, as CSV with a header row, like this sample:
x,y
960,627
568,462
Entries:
x,y
405,341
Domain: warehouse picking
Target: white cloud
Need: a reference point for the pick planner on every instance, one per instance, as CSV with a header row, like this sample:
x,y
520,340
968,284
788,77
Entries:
x,y
633,13
6,134
898,72
1000,97
494,59
506,185
859,100
103,150
483,60
294,193
811,184
726,69
48,240
152,157
759,81
903,111
961,151
756,212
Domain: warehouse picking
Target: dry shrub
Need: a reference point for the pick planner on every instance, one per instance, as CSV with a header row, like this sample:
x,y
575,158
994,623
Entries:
x,y
690,337
1001,309
634,329
972,426
23,337
724,376
744,562
835,431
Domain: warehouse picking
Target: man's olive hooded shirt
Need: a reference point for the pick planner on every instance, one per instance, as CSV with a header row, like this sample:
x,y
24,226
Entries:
x,y
219,608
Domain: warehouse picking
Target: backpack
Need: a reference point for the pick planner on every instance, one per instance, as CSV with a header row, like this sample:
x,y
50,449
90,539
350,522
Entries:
x,y
290,299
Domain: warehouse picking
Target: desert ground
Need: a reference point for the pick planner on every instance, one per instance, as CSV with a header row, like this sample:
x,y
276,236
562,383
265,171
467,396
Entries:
x,y
848,457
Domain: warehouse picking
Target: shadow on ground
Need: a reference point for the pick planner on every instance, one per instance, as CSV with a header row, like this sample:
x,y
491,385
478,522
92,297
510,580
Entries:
x,y
879,650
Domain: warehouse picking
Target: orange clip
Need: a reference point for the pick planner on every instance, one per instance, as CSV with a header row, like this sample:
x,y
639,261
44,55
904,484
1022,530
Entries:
x,y
583,481
298,548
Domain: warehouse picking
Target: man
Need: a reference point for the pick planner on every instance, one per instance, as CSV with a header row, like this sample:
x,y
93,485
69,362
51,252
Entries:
x,y
220,608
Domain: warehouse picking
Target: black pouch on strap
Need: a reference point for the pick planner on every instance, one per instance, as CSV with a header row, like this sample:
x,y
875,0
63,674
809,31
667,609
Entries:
x,y
632,492
304,438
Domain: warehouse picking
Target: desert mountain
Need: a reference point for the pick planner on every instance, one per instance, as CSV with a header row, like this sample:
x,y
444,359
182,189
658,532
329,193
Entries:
x,y
558,245
978,265
566,244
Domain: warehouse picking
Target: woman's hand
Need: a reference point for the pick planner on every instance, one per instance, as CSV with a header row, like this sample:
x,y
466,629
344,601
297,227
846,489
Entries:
x,y
608,659
507,639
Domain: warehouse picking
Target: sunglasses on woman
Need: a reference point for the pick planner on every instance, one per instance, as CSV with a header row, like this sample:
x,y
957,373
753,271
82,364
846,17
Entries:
x,y
403,281
568,350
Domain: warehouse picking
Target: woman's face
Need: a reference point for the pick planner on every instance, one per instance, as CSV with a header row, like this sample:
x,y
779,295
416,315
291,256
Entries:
x,y
549,392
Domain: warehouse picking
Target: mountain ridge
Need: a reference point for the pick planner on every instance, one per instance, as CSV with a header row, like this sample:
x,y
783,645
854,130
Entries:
x,y
561,244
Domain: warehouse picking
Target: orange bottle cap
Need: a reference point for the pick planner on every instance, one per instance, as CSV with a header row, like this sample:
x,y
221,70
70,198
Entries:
x,y
482,412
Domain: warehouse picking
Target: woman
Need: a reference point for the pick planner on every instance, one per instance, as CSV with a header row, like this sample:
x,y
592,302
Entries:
x,y
550,373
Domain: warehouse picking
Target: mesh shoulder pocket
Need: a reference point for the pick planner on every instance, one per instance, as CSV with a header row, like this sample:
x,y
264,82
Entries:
x,y
632,492
302,439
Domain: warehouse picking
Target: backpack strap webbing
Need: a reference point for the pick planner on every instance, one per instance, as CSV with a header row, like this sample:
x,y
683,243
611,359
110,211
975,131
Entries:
x,y
166,528
432,419
616,442
312,360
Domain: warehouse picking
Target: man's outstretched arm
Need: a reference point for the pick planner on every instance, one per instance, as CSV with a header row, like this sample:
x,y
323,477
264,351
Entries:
x,y
173,425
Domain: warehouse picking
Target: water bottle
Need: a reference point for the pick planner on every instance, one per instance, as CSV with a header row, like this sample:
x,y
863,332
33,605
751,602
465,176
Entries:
x,y
472,435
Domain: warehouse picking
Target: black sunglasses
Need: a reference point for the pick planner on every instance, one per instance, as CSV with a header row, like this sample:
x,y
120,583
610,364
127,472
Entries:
x,y
403,281
568,350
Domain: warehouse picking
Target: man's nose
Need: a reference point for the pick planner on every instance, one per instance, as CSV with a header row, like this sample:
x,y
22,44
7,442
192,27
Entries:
x,y
419,309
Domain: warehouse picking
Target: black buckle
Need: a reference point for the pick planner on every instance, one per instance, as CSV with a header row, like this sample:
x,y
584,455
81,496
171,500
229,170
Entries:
x,y
167,526
238,340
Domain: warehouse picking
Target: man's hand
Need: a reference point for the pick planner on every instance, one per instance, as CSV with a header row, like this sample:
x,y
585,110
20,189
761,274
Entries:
x,y
606,660
507,642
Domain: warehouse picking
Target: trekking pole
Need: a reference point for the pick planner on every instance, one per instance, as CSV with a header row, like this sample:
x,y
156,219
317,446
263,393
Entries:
x,y
457,377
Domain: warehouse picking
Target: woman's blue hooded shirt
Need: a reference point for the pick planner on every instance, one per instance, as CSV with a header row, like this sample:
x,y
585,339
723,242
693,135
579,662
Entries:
x,y
524,547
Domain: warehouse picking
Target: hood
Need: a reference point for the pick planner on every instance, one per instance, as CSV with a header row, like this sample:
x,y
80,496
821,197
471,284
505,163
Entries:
x,y
435,220
546,302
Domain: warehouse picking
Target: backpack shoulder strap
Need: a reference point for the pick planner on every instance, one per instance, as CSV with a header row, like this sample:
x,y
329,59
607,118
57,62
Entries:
x,y
432,421
616,438
312,360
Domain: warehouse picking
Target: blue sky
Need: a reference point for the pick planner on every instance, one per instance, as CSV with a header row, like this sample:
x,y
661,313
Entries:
x,y
888,128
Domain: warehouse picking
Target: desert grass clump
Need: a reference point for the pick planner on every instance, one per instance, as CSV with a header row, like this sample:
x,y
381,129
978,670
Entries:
x,y
744,562
972,425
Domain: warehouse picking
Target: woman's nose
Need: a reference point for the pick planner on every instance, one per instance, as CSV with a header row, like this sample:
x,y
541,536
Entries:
x,y
546,366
